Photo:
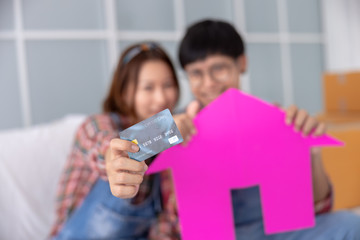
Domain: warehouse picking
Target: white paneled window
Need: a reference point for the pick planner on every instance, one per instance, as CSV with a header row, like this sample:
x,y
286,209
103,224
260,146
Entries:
x,y
53,51
285,42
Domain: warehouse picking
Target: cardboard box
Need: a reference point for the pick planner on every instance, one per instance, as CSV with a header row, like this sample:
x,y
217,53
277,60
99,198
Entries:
x,y
342,117
341,92
343,165
333,119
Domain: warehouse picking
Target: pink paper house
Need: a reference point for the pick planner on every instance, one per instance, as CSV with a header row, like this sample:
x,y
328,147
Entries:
x,y
241,142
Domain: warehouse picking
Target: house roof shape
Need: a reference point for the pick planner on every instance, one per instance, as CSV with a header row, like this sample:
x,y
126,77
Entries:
x,y
242,141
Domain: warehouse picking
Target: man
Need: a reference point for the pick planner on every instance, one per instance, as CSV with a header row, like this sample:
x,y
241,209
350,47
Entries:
x,y
212,54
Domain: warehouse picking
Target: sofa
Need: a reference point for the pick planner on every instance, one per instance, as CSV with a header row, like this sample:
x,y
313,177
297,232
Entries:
x,y
31,161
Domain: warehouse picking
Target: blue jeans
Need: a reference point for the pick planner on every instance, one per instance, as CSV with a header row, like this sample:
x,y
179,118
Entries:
x,y
340,225
331,226
103,216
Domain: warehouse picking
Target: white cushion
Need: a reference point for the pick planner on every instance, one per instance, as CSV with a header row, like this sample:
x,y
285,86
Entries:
x,y
31,161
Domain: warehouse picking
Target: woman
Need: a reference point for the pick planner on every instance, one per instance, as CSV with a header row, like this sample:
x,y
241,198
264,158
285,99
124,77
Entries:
x,y
144,84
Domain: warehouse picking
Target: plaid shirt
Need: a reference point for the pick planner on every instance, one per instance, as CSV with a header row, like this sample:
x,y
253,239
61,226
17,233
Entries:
x,y
85,165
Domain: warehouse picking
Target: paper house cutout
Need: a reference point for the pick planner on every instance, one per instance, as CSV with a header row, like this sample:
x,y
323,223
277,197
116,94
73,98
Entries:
x,y
241,142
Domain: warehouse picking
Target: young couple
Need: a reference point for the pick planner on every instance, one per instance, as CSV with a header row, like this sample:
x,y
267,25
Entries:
x,y
103,194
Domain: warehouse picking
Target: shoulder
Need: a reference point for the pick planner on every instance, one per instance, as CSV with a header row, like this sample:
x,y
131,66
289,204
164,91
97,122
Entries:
x,y
95,124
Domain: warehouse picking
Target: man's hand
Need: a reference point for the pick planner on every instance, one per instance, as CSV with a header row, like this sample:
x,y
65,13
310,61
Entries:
x,y
309,125
184,122
304,122
125,175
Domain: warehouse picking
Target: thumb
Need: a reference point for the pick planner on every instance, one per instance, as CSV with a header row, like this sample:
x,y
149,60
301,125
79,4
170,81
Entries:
x,y
278,105
192,109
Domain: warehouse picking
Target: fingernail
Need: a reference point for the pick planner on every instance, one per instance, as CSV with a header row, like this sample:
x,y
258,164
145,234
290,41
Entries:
x,y
135,147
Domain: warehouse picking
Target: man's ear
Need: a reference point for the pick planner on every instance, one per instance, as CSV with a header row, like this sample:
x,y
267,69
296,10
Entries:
x,y
242,63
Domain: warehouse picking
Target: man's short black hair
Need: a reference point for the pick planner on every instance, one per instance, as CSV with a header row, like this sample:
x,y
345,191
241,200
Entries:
x,y
210,37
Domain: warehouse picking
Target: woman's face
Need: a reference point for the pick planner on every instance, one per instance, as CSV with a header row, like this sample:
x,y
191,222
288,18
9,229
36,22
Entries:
x,y
156,89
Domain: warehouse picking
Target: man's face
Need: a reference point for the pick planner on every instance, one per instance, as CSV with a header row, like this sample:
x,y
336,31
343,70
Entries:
x,y
212,76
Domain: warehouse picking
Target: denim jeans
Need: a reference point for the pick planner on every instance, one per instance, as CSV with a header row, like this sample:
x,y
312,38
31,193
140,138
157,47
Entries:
x,y
340,225
103,216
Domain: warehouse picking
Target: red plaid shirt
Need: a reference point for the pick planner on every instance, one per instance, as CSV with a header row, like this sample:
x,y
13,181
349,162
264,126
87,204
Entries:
x,y
84,166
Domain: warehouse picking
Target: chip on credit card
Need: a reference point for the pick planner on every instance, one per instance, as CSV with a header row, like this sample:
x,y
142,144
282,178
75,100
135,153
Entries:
x,y
153,135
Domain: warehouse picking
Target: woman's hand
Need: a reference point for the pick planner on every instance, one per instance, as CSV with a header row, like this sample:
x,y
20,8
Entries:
x,y
125,175
184,122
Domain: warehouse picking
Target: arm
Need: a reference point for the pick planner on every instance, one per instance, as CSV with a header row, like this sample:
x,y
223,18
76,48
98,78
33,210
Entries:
x,y
321,183
309,125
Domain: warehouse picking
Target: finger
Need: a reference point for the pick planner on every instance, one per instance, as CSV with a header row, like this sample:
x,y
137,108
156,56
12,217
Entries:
x,y
178,119
309,126
182,125
124,191
192,109
300,119
127,178
290,114
277,104
118,146
190,126
189,129
186,137
127,164
320,130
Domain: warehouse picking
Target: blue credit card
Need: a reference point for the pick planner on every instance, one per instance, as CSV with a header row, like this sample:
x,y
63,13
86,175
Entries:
x,y
153,135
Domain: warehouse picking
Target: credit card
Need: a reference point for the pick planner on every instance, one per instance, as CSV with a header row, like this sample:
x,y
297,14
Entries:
x,y
153,135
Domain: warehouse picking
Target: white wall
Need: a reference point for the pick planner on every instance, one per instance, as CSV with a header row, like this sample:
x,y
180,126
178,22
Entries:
x,y
342,35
